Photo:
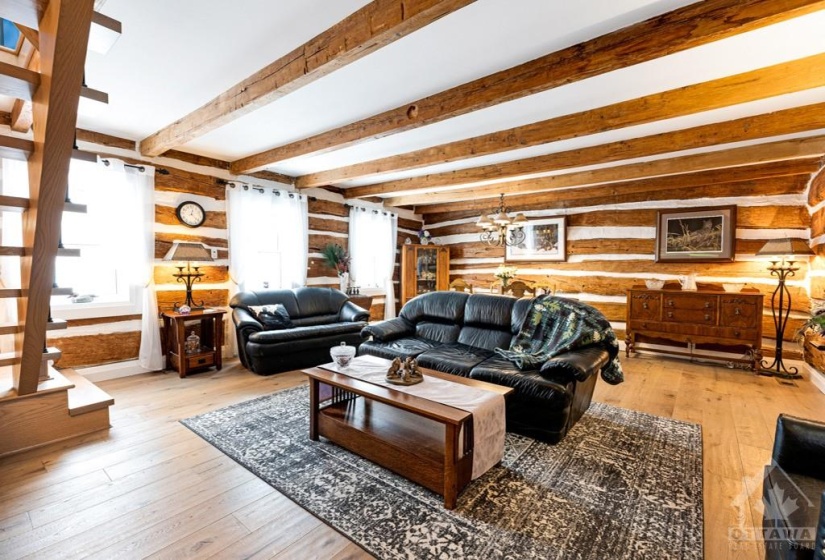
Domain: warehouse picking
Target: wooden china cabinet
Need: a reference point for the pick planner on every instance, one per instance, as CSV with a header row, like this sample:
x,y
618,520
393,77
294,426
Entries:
x,y
424,268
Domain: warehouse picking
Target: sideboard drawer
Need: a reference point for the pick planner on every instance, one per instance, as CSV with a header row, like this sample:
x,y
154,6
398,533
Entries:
x,y
740,311
200,360
697,309
645,306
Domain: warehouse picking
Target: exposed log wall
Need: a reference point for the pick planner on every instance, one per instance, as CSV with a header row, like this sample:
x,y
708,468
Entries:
x,y
611,241
102,340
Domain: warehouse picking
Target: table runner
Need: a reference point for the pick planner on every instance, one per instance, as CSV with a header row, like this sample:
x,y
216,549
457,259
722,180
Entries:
x,y
487,407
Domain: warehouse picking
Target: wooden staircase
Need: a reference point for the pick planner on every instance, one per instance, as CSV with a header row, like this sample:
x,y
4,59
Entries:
x,y
38,404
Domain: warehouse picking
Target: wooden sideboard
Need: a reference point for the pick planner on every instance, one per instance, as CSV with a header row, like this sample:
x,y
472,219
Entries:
x,y
697,317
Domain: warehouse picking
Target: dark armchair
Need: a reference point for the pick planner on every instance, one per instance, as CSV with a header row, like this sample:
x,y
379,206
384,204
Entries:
x,y
794,492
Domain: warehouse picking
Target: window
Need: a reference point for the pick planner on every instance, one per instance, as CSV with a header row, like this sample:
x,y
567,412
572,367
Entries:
x,y
9,35
108,236
372,248
267,238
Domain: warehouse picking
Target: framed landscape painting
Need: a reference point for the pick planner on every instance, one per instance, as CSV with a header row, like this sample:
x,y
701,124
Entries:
x,y
544,240
696,234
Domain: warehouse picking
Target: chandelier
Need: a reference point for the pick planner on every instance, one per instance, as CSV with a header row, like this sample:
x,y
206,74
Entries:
x,y
500,229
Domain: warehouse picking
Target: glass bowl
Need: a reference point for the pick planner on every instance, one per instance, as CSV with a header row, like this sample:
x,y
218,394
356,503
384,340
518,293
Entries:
x,y
342,355
654,284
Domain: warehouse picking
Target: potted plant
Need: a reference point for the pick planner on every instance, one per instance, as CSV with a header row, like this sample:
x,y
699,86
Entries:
x,y
338,258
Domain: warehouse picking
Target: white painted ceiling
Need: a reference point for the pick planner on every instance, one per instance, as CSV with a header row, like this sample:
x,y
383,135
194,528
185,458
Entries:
x,y
175,56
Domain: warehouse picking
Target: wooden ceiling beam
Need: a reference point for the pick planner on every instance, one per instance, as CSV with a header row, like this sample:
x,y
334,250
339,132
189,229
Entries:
x,y
729,165
27,13
780,79
376,25
710,177
685,28
757,127
621,193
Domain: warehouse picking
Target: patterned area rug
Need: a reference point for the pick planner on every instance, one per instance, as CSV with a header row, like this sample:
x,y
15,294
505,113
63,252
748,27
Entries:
x,y
622,484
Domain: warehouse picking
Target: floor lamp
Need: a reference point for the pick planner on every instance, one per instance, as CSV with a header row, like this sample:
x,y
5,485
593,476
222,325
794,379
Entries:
x,y
783,255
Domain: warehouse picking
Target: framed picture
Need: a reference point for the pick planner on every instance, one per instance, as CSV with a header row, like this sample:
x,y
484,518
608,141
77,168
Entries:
x,y
696,234
544,240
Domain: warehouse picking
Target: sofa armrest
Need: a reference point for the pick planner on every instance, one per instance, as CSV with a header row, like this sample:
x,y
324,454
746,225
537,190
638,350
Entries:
x,y
389,330
351,313
245,322
799,446
577,364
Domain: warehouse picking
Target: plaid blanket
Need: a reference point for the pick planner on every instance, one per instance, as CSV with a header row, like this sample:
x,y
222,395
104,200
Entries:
x,y
557,325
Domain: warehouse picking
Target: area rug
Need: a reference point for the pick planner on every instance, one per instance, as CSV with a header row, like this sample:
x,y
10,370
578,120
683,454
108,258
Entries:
x,y
622,484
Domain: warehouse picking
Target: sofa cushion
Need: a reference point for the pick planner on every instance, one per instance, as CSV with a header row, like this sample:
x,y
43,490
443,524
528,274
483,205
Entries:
x,y
272,317
455,358
301,333
267,297
315,320
439,332
437,307
529,384
319,301
398,348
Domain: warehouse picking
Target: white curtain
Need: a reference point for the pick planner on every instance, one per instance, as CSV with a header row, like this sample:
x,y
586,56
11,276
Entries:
x,y
372,247
136,190
268,241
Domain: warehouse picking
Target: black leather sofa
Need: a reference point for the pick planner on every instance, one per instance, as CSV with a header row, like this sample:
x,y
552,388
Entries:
x,y
322,318
794,492
456,332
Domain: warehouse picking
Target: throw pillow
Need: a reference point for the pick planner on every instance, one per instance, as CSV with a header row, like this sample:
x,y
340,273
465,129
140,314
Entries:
x,y
272,317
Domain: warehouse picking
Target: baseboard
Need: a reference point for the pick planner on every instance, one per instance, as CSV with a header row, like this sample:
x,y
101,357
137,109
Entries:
x,y
816,378
111,371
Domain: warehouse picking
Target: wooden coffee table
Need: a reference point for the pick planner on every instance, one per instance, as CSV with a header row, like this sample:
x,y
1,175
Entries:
x,y
424,441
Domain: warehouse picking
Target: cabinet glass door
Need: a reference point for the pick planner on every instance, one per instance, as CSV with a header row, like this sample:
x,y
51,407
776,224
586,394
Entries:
x,y
426,266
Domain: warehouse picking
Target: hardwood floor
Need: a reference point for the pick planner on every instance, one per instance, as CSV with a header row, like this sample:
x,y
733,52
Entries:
x,y
149,488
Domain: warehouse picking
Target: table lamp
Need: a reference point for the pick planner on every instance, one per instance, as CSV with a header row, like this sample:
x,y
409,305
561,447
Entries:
x,y
189,252
783,255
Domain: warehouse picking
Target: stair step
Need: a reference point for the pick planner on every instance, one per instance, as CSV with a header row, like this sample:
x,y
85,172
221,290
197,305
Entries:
x,y
57,325
15,148
66,252
6,251
76,208
10,329
84,156
9,359
94,94
53,325
10,292
13,203
57,382
52,353
19,82
85,396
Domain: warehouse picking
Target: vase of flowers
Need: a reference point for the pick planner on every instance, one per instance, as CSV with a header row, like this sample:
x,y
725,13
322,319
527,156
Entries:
x,y
424,236
505,274
337,257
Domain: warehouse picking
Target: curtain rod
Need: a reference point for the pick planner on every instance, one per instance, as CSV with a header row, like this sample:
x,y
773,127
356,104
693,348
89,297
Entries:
x,y
260,189
373,210
140,168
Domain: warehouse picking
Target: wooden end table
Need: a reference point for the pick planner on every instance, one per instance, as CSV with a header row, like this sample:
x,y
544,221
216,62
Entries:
x,y
424,441
174,340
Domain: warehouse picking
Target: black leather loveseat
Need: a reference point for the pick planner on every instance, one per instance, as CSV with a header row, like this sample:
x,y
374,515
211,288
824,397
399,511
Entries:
x,y
455,332
793,492
322,318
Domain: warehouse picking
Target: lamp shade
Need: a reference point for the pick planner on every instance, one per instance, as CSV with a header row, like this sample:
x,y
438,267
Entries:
x,y
785,248
182,251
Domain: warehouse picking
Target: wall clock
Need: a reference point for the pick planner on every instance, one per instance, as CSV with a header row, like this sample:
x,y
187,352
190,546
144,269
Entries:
x,y
190,214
